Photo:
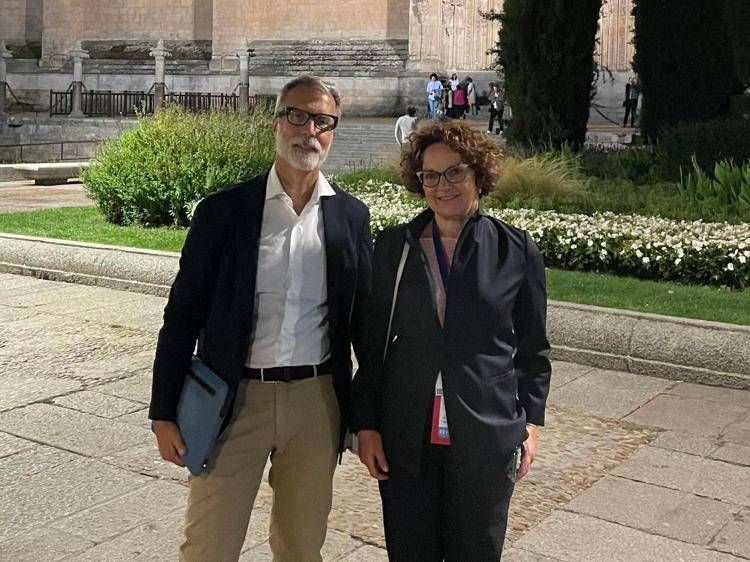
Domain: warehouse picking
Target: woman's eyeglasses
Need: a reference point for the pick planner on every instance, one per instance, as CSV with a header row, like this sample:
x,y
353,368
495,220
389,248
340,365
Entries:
x,y
454,174
299,117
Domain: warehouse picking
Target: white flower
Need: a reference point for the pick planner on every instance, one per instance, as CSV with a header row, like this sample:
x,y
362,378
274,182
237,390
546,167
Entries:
x,y
677,261
729,266
646,259
573,246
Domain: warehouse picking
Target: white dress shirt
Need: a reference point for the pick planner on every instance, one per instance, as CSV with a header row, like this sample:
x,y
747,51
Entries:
x,y
290,326
404,127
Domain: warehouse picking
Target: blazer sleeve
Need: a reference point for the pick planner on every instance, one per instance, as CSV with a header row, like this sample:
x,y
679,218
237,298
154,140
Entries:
x,y
531,361
186,310
367,387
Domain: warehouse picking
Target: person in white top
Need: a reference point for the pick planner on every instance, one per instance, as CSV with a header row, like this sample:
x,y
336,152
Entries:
x,y
405,126
273,279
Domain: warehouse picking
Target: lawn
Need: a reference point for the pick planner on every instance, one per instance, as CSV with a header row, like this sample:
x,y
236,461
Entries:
x,y
707,303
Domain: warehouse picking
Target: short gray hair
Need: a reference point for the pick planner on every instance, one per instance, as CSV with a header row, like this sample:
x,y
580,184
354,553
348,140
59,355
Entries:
x,y
312,82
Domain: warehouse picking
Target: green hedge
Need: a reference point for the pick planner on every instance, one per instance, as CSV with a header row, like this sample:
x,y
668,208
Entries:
x,y
709,141
155,173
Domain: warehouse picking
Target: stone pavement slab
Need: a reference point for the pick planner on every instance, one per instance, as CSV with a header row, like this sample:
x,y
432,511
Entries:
x,y
738,432
42,544
735,537
608,394
97,404
689,415
578,538
67,488
686,443
71,430
660,511
731,452
107,520
21,390
566,372
712,393
689,473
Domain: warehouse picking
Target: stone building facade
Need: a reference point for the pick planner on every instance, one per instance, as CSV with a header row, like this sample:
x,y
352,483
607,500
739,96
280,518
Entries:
x,y
372,49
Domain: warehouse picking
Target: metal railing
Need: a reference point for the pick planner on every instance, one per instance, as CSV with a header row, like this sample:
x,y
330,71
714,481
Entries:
x,y
106,103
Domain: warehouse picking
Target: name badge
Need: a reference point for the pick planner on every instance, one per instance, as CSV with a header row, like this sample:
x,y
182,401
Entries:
x,y
439,434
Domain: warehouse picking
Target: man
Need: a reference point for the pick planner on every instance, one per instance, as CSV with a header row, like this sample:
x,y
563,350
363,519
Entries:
x,y
405,127
272,280
632,92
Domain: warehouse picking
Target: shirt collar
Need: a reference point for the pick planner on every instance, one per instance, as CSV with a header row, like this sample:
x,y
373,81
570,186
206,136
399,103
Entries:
x,y
274,187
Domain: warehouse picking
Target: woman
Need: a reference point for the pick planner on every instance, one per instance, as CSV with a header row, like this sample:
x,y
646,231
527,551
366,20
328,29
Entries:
x,y
434,95
497,107
456,376
471,94
459,102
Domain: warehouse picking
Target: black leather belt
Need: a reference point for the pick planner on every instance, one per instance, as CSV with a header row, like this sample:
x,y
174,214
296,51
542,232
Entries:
x,y
286,374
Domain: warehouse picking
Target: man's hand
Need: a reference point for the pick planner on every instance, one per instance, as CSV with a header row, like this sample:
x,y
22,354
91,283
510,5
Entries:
x,y
170,443
528,451
371,453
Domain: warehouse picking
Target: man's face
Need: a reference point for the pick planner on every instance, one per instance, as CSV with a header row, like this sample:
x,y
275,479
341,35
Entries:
x,y
304,147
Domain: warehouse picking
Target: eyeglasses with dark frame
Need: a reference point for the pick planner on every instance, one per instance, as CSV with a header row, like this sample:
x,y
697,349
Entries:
x,y
454,174
324,122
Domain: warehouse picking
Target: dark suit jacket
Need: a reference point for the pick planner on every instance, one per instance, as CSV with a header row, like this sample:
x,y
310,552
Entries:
x,y
213,295
492,351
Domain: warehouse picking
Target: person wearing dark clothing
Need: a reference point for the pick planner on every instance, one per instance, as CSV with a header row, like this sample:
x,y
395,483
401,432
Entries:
x,y
453,384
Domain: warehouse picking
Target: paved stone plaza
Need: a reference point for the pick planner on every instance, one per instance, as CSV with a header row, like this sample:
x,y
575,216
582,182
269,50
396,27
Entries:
x,y
630,467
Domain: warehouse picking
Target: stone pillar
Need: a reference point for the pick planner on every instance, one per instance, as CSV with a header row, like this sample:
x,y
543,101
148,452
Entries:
x,y
244,55
77,55
5,54
160,54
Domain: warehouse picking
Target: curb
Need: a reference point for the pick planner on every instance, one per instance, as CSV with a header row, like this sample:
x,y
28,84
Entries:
x,y
649,344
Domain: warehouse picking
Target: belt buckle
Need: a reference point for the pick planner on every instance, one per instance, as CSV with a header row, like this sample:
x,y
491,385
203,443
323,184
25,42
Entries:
x,y
263,377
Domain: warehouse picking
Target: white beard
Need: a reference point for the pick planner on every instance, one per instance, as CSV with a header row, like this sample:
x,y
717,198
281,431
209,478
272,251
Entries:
x,y
299,158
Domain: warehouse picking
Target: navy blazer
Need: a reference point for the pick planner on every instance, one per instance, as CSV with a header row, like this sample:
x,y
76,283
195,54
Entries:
x,y
213,295
492,350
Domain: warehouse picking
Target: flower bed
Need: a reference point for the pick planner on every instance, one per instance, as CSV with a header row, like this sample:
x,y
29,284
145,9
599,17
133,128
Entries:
x,y
645,247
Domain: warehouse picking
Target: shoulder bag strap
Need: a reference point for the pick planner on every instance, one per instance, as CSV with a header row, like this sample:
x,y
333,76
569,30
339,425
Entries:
x,y
399,272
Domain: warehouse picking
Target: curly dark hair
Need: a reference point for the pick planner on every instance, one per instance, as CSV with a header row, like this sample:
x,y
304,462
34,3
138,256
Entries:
x,y
475,148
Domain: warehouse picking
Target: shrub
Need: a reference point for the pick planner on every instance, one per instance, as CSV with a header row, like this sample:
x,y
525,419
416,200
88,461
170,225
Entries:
x,y
635,164
155,173
709,141
729,185
545,176
687,72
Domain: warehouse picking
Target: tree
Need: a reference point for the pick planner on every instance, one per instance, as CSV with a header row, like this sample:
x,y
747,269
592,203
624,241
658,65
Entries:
x,y
684,61
737,14
545,50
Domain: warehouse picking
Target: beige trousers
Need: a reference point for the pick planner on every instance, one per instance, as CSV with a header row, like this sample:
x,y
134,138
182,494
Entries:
x,y
297,425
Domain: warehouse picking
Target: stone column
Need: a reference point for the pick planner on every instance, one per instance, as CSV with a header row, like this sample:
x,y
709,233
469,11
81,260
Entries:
x,y
5,54
244,56
77,55
160,54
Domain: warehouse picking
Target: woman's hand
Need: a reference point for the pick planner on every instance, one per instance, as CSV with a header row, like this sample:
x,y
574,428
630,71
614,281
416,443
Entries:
x,y
371,453
528,451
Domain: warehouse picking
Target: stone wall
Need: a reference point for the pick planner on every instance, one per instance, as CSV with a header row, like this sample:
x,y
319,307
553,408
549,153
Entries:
x,y
129,22
615,35
451,34
13,22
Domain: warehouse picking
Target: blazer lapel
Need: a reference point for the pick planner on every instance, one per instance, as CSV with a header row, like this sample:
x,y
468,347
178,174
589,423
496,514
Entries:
x,y
333,228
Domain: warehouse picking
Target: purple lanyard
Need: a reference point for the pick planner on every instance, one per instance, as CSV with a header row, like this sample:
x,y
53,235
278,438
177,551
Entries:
x,y
442,256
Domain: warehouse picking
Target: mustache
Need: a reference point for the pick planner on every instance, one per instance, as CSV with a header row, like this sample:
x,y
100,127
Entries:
x,y
308,142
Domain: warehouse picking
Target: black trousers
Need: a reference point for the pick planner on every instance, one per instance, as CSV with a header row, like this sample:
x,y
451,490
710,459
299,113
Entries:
x,y
495,114
451,511
630,108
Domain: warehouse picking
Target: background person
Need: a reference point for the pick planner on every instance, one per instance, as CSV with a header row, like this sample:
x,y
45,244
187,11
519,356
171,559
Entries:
x,y
497,107
434,95
442,411
471,96
405,126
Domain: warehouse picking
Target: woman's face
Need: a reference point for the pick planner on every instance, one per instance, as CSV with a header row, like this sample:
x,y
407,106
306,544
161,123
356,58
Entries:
x,y
450,201
453,77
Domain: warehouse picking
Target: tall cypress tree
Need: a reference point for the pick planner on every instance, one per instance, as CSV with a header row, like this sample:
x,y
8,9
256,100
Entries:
x,y
545,51
683,57
737,15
